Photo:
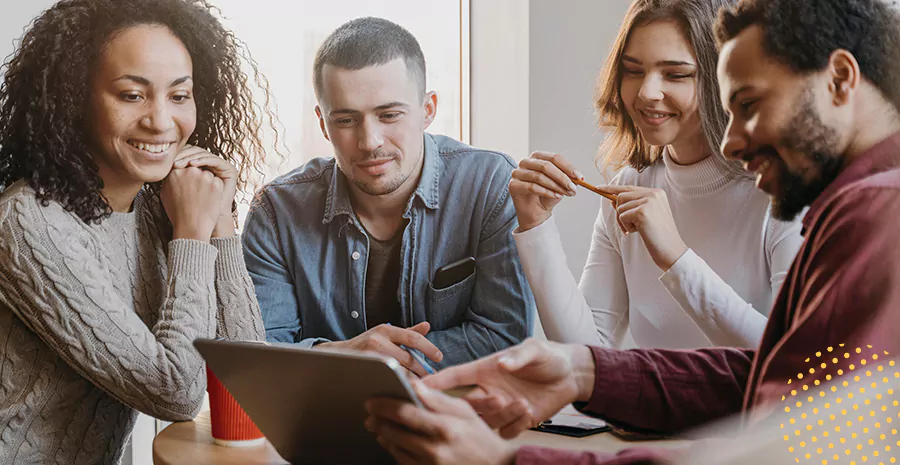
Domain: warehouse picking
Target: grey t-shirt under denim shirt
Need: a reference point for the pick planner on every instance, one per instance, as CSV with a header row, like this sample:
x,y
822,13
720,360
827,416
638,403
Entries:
x,y
307,254
382,281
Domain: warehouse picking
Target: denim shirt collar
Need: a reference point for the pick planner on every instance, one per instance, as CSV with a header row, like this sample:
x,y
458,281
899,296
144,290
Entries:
x,y
337,201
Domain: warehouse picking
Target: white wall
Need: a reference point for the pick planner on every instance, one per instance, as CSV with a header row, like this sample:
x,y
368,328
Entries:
x,y
499,75
570,40
534,67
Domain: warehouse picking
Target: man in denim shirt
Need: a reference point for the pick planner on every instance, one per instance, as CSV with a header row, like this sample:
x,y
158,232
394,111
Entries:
x,y
343,251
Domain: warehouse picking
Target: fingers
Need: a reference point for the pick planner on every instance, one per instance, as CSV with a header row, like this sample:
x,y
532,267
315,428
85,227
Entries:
x,y
623,208
403,357
402,456
413,340
547,174
421,328
466,392
396,437
560,162
187,152
411,375
219,166
192,173
628,199
629,215
509,414
545,181
441,403
622,226
406,414
375,340
617,190
508,417
517,186
456,376
523,419
488,405
520,356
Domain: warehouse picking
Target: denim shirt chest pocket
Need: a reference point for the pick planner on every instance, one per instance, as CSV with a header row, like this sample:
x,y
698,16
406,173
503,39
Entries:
x,y
447,306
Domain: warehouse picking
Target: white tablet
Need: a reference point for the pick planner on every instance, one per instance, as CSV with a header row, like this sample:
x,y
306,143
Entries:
x,y
309,403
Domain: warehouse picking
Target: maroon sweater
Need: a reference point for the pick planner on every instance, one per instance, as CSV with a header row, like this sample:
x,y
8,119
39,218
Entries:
x,y
843,288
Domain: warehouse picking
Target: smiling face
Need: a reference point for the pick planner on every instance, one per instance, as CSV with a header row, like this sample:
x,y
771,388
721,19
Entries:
x,y
659,86
376,118
784,126
142,107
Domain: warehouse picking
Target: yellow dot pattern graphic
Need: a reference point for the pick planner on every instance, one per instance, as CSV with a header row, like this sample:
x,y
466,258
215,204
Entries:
x,y
850,387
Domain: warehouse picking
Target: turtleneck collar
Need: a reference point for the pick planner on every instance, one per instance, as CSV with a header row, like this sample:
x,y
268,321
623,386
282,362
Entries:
x,y
699,179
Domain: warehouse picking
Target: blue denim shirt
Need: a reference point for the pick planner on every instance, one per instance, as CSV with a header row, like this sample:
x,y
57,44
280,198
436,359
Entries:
x,y
307,254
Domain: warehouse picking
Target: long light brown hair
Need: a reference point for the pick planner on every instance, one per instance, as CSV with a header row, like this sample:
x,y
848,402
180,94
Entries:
x,y
625,146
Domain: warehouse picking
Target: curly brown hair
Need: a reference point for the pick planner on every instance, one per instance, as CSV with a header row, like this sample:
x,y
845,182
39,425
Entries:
x,y
44,99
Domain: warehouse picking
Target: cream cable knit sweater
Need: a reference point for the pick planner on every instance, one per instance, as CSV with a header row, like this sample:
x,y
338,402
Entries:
x,y
97,323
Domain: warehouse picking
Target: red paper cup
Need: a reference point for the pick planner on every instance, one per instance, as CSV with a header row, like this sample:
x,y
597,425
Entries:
x,y
231,427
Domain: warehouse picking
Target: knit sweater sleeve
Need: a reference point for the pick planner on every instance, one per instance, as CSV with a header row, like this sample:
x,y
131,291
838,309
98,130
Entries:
x,y
238,316
593,312
723,315
53,278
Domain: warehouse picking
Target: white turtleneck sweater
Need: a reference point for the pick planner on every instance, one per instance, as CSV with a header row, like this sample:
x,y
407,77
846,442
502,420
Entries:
x,y
717,294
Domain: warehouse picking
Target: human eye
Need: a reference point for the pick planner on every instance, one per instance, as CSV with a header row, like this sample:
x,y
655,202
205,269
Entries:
x,y
131,96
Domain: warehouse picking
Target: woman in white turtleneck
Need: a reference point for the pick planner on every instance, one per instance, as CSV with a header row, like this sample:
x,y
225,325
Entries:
x,y
688,256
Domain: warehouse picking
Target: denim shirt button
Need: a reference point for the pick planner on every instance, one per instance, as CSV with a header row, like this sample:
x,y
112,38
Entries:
x,y
355,256
354,314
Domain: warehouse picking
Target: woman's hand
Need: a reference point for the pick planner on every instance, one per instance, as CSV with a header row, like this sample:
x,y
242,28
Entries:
x,y
197,157
646,211
538,184
192,198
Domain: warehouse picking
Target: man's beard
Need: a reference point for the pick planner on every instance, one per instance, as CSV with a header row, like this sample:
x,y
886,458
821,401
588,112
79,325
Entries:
x,y
392,184
806,134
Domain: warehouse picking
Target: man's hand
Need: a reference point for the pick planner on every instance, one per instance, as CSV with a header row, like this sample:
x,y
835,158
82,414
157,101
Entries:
x,y
446,432
523,385
386,340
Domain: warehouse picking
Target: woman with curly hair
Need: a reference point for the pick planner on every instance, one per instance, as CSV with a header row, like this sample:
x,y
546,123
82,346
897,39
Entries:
x,y
121,123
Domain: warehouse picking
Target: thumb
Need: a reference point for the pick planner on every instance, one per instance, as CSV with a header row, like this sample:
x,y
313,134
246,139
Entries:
x,y
439,402
518,357
610,189
421,328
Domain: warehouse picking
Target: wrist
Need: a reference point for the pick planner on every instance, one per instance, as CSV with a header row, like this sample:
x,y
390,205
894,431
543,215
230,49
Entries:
x,y
189,233
584,371
224,227
669,260
526,224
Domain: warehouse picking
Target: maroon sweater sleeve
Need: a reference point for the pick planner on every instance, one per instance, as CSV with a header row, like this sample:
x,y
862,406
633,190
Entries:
x,y
532,455
663,391
667,391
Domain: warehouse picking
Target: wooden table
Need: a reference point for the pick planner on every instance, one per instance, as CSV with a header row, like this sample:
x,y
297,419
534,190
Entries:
x,y
191,442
